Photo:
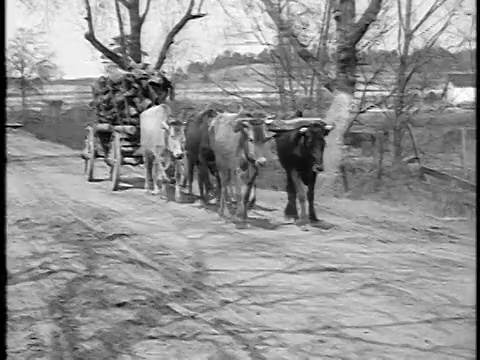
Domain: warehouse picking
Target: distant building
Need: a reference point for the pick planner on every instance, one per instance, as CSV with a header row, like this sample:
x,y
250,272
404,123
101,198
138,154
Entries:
x,y
460,89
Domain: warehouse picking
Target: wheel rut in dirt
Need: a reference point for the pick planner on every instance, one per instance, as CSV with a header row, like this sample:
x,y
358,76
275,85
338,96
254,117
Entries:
x,y
96,274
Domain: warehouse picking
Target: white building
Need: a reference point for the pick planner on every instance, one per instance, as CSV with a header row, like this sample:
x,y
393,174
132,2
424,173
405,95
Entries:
x,y
460,89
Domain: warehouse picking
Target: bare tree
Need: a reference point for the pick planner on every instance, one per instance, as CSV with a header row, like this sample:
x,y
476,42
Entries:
x,y
133,41
348,33
131,15
29,61
428,31
293,81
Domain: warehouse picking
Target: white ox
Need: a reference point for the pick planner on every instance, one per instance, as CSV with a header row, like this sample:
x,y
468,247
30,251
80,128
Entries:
x,y
162,140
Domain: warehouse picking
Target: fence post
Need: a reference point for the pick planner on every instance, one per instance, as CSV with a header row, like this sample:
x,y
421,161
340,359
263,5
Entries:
x,y
463,155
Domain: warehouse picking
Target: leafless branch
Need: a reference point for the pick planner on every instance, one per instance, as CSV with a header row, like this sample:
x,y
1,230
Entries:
x,y
126,3
175,30
90,37
123,42
378,70
368,17
145,13
286,30
200,6
236,94
435,6
417,61
266,79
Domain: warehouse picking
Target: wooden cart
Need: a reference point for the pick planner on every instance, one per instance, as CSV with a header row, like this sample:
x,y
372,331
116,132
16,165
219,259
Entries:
x,y
116,145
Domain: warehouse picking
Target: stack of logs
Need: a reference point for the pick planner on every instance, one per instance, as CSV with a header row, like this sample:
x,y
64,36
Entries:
x,y
118,99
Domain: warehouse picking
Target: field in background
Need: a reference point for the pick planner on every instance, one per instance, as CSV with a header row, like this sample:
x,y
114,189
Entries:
x,y
253,81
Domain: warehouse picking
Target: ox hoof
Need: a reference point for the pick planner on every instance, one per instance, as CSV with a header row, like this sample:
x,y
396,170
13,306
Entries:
x,y
225,216
291,218
302,222
304,228
241,225
320,224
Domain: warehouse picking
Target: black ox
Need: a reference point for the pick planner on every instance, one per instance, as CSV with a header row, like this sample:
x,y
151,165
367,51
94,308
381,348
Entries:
x,y
300,145
199,153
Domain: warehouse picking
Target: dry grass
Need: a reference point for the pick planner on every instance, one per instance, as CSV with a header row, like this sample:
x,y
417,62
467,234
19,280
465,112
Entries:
x,y
437,136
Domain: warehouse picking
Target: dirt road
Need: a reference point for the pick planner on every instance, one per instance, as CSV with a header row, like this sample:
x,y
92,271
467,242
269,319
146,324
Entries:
x,y
99,275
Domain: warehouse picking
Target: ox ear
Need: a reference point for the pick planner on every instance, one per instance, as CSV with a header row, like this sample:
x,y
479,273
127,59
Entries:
x,y
303,130
328,128
239,125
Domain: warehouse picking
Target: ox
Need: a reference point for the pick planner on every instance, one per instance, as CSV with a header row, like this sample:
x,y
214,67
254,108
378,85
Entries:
x,y
199,153
239,147
162,141
300,146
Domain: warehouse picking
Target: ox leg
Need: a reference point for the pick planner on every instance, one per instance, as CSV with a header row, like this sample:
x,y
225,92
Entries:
x,y
212,169
155,170
223,203
312,216
302,199
219,187
190,173
147,163
201,184
246,180
253,197
203,180
178,179
239,179
291,208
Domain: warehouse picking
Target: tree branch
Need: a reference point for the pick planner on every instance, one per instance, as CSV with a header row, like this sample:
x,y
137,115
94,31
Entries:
x,y
147,9
175,30
368,17
123,40
126,3
435,6
286,30
232,93
419,62
267,80
90,37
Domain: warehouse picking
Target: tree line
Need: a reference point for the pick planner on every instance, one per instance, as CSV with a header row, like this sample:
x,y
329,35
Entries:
x,y
441,60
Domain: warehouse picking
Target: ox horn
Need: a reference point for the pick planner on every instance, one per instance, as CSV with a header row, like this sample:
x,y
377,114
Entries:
x,y
329,127
303,130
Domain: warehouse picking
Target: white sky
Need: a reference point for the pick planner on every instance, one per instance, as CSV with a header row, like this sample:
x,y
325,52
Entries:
x,y
201,40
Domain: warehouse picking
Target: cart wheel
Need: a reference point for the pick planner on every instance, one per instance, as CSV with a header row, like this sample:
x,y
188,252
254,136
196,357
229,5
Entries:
x,y
116,153
89,154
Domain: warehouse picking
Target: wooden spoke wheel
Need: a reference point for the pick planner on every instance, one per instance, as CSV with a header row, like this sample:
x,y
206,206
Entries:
x,y
89,154
117,159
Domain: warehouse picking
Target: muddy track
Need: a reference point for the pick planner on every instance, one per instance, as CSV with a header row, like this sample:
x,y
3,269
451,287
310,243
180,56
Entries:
x,y
96,274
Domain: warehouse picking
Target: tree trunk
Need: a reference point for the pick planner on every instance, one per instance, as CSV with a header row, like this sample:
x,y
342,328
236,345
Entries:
x,y
397,144
135,46
23,85
24,94
338,113
348,34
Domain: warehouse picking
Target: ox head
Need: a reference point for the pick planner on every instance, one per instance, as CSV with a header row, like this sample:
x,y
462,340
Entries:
x,y
253,140
175,138
310,142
